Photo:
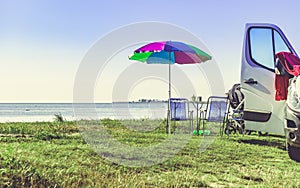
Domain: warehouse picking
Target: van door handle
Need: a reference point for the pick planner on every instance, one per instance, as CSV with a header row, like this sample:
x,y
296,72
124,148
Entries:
x,y
250,81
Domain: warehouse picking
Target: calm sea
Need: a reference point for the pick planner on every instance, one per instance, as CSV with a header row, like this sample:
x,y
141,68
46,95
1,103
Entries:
x,y
31,112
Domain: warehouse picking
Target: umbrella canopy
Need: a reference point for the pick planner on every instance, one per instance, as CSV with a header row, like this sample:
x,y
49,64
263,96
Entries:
x,y
169,52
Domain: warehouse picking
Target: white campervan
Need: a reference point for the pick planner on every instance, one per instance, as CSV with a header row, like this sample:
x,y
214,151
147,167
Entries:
x,y
269,88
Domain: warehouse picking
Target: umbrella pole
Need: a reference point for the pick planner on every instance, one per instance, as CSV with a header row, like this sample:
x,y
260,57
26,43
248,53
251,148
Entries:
x,y
169,102
169,111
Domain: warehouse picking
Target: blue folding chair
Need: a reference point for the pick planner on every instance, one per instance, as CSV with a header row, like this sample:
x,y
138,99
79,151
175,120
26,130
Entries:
x,y
180,111
216,111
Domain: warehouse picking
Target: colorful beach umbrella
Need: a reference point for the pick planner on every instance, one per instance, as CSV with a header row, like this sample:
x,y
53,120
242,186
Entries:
x,y
169,52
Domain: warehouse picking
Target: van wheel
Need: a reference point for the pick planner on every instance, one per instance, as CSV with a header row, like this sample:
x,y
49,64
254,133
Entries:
x,y
294,153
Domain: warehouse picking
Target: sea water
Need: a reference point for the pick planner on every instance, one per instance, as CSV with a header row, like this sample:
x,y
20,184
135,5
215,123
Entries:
x,y
31,112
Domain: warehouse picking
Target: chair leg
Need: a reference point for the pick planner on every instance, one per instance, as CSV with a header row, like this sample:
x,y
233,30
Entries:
x,y
221,128
191,121
227,128
203,127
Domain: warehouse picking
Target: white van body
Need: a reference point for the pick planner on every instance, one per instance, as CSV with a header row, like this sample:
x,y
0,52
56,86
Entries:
x,y
261,111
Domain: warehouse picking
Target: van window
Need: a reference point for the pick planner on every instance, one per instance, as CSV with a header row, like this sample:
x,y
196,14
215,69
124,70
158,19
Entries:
x,y
280,45
261,47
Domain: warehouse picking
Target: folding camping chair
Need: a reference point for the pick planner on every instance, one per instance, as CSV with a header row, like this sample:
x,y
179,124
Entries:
x,y
235,120
180,111
216,111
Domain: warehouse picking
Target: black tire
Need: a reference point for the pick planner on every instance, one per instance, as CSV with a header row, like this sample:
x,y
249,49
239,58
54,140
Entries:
x,y
230,129
262,133
294,153
241,128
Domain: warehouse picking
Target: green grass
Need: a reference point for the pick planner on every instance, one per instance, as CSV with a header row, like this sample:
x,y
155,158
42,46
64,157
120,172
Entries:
x,y
55,155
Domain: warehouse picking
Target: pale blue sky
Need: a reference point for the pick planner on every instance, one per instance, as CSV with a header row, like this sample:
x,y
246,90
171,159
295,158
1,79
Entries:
x,y
43,42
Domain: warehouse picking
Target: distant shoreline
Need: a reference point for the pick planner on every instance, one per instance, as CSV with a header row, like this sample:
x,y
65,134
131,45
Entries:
x,y
147,101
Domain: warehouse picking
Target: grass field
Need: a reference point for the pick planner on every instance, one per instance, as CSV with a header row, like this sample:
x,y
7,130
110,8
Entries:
x,y
53,154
